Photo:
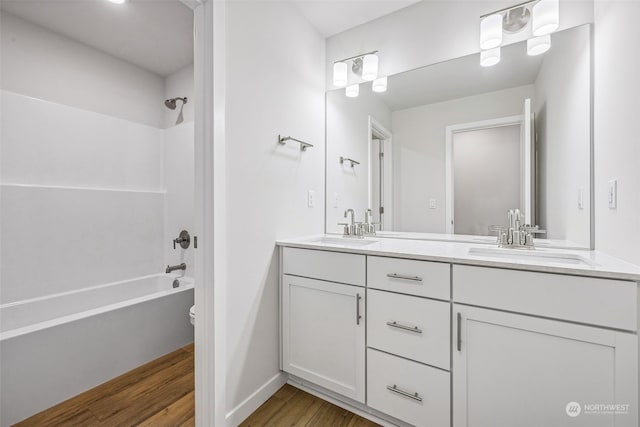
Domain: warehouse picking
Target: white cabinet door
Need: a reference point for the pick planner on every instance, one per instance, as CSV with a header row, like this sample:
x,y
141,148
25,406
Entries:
x,y
513,370
324,334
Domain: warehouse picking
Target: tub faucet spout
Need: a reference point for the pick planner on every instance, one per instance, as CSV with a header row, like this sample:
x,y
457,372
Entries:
x,y
171,268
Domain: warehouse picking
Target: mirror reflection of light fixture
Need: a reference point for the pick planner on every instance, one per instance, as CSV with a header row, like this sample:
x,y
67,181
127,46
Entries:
x,y
538,45
489,58
118,1
380,84
352,91
340,74
491,31
546,17
370,67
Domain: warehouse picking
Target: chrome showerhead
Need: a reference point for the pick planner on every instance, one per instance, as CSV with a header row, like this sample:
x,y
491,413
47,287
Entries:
x,y
171,103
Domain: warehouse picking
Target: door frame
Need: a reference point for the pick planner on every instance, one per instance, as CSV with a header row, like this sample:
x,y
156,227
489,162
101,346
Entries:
x,y
450,131
386,137
209,186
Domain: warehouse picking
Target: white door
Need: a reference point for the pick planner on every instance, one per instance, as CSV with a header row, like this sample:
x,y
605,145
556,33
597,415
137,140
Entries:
x,y
513,370
324,334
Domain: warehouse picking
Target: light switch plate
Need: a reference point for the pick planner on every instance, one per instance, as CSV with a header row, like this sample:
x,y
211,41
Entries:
x,y
311,198
581,198
336,200
612,194
432,203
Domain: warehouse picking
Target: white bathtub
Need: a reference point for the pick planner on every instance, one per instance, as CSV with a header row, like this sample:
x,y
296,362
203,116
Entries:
x,y
57,346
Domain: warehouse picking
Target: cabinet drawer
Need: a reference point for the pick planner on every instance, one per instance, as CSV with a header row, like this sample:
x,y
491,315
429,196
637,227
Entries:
x,y
421,278
603,302
411,327
331,266
409,391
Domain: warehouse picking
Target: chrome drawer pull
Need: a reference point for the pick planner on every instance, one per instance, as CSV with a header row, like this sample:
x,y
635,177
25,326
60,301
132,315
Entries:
x,y
404,277
395,324
413,396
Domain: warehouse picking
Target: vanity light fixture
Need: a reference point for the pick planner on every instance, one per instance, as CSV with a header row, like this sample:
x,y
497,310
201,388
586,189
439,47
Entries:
x,y
370,67
353,91
489,58
546,17
538,45
491,31
364,65
340,74
380,84
118,1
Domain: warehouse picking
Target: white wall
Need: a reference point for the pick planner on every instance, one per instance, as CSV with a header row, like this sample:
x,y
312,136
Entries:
x,y
179,84
178,144
419,152
561,104
42,64
81,198
275,85
348,136
432,31
617,107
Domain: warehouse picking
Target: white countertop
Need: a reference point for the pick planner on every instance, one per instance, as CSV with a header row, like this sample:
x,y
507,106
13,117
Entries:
x,y
601,265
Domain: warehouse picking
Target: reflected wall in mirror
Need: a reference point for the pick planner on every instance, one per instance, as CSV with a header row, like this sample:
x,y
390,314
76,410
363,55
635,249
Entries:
x,y
450,147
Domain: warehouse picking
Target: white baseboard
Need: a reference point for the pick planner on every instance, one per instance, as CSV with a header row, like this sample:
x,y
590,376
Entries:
x,y
257,398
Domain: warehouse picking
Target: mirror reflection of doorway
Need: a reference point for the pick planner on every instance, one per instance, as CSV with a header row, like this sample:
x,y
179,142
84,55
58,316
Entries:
x,y
484,161
380,175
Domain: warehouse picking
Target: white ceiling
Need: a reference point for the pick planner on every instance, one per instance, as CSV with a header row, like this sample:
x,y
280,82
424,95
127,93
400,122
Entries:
x,y
156,35
460,78
335,16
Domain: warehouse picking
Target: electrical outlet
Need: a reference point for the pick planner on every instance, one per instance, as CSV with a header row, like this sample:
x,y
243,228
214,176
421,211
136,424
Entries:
x,y
311,198
336,200
612,194
432,203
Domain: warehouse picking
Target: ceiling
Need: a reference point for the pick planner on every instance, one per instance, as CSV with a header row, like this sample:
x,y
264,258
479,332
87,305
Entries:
x,y
460,78
155,35
335,16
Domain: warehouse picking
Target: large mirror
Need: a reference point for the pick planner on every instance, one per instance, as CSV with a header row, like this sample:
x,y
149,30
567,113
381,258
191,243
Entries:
x,y
450,147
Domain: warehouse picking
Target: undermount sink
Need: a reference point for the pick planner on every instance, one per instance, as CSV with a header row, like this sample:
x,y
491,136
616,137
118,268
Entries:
x,y
532,255
343,241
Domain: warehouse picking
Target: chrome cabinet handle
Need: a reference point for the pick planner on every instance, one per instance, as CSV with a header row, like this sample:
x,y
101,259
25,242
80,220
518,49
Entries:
x,y
358,316
395,324
394,388
459,332
404,277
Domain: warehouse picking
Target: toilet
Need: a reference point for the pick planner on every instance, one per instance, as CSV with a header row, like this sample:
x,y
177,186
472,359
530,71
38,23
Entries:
x,y
192,314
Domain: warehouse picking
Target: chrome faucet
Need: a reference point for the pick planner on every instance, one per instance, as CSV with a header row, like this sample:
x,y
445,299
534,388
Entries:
x,y
171,268
352,228
368,227
516,235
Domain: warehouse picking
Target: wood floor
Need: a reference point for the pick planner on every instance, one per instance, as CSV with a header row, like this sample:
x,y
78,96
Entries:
x,y
293,407
161,394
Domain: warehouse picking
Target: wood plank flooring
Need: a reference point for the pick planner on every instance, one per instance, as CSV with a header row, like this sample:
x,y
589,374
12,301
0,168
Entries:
x,y
161,394
293,407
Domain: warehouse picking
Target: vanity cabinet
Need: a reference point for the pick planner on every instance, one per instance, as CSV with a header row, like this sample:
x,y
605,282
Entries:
x,y
488,346
515,370
323,323
524,369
